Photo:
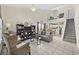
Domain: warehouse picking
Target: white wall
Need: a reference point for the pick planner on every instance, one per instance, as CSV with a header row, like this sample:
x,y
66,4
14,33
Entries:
x,y
0,26
71,12
0,11
77,23
14,15
0,30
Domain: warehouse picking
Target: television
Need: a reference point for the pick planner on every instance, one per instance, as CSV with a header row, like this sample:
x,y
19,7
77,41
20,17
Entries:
x,y
61,15
51,18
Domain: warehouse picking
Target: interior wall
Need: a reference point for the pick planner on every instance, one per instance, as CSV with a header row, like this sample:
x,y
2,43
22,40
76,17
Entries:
x,y
14,15
0,11
77,23
0,28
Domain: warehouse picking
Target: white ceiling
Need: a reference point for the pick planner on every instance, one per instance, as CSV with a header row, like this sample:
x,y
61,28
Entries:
x,y
38,6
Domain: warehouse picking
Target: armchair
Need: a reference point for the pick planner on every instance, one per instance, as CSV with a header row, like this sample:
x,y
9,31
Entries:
x,y
11,43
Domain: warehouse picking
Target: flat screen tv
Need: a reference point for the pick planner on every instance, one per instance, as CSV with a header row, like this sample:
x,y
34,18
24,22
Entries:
x,y
51,18
27,28
61,15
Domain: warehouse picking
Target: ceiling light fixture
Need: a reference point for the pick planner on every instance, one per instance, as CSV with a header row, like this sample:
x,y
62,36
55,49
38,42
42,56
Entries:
x,y
33,9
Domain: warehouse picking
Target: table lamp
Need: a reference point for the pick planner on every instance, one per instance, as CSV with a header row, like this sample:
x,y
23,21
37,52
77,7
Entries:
x,y
8,26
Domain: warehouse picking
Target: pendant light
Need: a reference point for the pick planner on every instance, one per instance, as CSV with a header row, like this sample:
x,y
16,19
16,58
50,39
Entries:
x,y
33,8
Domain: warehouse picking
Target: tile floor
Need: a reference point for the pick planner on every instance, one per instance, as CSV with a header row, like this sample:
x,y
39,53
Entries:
x,y
56,47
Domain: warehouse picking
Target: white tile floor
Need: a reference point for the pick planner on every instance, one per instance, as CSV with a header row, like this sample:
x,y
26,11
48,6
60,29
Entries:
x,y
56,47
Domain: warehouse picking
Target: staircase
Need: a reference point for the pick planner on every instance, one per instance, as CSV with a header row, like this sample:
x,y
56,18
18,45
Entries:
x,y
69,34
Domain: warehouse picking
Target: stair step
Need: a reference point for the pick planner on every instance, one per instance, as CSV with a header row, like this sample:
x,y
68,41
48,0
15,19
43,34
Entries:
x,y
70,35
70,40
69,31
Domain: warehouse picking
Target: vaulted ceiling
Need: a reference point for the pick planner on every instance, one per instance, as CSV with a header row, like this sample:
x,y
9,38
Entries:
x,y
38,6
